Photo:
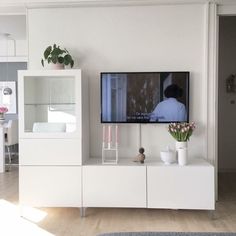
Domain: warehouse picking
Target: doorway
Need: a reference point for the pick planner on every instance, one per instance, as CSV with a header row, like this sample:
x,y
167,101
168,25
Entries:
x,y
227,108
13,57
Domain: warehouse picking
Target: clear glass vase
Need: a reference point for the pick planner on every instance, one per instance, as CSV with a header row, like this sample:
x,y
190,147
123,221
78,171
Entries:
x,y
2,116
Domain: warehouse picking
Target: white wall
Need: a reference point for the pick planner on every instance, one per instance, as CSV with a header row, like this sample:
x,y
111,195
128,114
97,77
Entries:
x,y
129,38
15,44
227,111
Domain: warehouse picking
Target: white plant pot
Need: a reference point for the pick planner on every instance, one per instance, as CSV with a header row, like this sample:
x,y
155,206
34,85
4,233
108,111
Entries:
x,y
57,66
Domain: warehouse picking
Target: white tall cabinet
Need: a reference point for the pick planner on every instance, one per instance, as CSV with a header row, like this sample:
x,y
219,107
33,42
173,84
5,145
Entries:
x,y
53,132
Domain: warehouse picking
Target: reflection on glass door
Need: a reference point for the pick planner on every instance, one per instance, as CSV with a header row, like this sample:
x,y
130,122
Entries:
x,y
49,104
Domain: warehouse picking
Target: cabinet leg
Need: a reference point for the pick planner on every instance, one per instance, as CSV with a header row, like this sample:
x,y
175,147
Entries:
x,y
82,211
21,211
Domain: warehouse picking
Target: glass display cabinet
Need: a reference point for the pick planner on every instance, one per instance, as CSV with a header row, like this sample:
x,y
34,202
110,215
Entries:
x,y
49,100
50,103
52,122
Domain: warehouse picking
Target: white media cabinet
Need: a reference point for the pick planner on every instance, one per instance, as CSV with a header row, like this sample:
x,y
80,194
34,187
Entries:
x,y
149,185
54,168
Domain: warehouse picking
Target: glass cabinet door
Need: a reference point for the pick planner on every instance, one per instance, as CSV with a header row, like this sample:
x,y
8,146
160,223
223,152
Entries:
x,y
49,104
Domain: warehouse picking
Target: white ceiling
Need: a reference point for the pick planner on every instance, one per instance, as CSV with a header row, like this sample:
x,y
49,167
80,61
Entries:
x,y
13,25
13,4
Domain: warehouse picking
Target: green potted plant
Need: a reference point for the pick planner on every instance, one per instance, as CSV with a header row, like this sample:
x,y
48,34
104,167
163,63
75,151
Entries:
x,y
58,57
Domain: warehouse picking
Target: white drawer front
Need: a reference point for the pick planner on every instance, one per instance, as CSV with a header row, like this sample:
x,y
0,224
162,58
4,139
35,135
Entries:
x,y
47,186
180,187
50,152
114,186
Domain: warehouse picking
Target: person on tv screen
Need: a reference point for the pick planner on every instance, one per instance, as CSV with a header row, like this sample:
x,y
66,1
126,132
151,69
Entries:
x,y
170,109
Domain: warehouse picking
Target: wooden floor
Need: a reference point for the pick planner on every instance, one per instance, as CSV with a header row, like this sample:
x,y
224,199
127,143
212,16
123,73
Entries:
x,y
67,221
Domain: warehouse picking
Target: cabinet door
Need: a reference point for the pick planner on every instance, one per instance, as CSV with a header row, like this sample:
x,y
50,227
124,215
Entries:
x,y
47,186
50,152
50,103
176,187
114,186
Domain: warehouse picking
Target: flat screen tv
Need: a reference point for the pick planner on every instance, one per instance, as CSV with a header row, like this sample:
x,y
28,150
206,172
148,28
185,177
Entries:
x,y
144,97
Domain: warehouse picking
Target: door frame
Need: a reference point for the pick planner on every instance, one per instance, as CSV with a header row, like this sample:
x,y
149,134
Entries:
x,y
214,12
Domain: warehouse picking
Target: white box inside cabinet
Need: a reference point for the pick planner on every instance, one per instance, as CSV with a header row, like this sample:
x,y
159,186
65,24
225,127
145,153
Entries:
x,y
114,186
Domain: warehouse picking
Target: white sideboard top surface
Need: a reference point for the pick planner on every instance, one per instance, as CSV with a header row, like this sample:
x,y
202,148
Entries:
x,y
192,162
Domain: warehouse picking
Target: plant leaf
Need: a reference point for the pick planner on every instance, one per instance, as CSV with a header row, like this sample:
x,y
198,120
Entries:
x,y
47,52
42,62
56,52
72,63
60,60
54,59
67,59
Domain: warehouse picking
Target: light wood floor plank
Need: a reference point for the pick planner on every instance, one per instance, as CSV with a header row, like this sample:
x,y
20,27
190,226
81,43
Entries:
x,y
67,221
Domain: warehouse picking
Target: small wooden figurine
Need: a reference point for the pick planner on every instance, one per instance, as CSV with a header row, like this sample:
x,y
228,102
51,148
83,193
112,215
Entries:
x,y
140,157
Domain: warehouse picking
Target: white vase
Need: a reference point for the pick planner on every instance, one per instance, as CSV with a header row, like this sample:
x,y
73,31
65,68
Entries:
x,y
181,152
182,156
181,145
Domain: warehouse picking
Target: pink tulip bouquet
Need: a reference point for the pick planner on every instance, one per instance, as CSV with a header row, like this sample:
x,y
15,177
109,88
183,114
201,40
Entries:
x,y
3,110
181,131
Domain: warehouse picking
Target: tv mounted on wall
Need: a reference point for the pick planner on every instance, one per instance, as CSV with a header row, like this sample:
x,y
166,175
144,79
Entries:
x,y
144,97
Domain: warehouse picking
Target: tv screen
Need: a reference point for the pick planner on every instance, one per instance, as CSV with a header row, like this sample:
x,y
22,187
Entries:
x,y
144,97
